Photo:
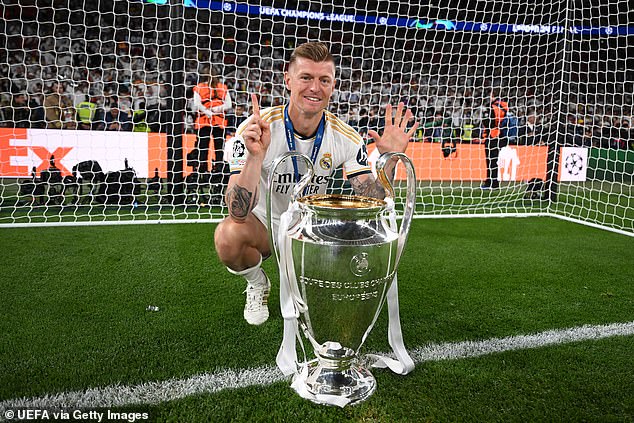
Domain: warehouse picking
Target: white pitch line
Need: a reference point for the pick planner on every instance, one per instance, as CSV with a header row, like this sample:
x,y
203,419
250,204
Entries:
x,y
468,349
157,392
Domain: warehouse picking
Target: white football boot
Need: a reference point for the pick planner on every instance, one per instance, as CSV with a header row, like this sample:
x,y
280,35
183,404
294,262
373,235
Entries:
x,y
256,310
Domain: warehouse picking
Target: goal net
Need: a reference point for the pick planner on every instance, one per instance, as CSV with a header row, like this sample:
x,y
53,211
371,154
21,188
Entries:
x,y
99,119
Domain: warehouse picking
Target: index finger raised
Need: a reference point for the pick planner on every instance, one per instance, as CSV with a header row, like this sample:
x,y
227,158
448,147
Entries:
x,y
256,106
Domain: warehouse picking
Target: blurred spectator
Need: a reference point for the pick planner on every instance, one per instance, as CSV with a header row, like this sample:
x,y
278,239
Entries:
x,y
456,122
18,113
626,135
235,119
363,122
86,111
530,133
374,120
588,138
117,120
574,131
617,141
125,102
438,129
352,117
139,119
58,108
606,132
38,116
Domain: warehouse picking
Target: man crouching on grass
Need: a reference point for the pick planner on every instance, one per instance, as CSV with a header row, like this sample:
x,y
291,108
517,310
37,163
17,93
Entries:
x,y
303,125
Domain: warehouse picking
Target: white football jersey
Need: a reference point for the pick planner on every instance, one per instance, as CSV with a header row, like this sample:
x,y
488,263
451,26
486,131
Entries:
x,y
341,146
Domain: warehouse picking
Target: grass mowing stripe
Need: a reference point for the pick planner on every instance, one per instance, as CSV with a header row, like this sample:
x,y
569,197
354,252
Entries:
x,y
157,392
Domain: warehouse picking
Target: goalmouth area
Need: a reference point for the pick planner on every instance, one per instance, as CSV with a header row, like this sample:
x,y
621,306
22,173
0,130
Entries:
x,y
565,70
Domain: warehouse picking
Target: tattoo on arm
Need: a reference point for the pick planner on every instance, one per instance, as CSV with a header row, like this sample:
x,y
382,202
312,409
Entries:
x,y
240,201
367,186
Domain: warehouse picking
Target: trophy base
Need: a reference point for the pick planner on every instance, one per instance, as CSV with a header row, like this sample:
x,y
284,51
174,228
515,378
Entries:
x,y
338,387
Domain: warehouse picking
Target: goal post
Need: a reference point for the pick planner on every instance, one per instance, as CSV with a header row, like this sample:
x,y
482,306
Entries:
x,y
98,119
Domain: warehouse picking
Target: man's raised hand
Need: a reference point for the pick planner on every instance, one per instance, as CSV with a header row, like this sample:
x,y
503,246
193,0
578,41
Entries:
x,y
395,134
257,134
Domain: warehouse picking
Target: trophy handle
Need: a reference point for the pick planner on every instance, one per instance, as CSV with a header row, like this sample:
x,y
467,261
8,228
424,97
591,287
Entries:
x,y
297,191
410,201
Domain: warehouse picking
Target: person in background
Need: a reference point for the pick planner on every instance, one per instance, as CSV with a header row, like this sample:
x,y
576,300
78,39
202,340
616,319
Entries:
x,y
234,120
58,108
363,122
211,102
117,120
38,116
626,135
528,133
139,119
494,142
437,130
18,113
86,112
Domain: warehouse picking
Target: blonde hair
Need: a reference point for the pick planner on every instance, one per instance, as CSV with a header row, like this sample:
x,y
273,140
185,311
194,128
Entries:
x,y
315,50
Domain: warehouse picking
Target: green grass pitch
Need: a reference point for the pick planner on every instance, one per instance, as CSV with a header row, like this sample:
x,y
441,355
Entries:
x,y
74,317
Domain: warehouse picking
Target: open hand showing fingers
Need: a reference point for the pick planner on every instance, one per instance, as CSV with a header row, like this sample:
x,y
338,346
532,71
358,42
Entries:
x,y
395,136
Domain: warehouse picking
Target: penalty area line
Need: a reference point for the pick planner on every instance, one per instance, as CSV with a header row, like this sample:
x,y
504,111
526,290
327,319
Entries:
x,y
162,391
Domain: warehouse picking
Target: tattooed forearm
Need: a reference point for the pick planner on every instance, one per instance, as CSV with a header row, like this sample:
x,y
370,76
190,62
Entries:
x,y
240,201
367,186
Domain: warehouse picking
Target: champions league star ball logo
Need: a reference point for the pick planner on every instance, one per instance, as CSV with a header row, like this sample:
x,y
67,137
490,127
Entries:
x,y
360,264
574,164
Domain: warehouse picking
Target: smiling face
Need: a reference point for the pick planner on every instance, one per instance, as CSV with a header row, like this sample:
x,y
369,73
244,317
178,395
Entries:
x,y
311,85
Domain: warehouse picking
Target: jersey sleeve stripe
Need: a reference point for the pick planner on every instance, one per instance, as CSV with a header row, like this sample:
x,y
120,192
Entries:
x,y
269,115
344,128
356,139
272,111
359,172
242,126
272,117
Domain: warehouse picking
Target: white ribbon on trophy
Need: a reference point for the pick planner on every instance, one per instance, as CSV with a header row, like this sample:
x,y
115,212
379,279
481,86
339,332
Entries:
x,y
403,363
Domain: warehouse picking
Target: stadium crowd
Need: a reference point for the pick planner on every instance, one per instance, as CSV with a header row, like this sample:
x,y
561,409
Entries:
x,y
64,75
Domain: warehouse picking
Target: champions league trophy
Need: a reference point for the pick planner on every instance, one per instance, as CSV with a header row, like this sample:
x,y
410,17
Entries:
x,y
338,256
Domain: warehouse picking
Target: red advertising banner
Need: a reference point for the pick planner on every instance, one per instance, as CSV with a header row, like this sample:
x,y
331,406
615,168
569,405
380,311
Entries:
x,y
517,163
23,149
